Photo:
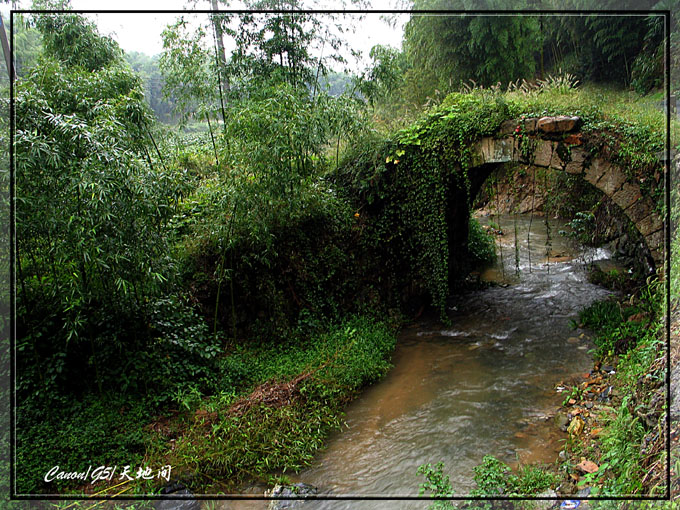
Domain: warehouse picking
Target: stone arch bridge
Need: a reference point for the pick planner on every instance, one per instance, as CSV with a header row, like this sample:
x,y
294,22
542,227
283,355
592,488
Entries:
x,y
557,143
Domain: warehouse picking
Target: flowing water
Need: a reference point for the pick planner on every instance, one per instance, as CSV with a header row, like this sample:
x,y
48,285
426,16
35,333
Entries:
x,y
483,385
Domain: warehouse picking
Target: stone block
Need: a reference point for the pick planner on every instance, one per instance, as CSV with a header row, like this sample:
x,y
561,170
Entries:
x,y
574,139
578,157
503,150
529,125
480,152
595,170
485,149
612,179
508,127
638,210
655,240
477,158
545,154
650,224
492,150
559,124
627,195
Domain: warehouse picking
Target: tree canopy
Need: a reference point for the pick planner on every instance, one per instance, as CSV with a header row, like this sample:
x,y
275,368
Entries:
x,y
445,51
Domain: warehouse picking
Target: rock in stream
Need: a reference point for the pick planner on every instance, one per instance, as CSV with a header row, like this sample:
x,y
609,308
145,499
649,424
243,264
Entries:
x,y
297,490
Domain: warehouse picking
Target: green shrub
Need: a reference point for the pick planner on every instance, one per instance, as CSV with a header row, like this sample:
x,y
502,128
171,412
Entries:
x,y
491,477
639,379
494,478
615,334
481,245
621,456
331,368
100,430
437,483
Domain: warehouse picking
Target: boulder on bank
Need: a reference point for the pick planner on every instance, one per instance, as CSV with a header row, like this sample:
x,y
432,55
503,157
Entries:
x,y
290,496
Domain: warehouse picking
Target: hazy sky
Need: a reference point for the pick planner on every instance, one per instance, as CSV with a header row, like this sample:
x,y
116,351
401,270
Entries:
x,y
142,31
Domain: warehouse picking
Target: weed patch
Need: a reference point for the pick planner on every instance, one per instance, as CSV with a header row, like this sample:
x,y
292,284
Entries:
x,y
281,422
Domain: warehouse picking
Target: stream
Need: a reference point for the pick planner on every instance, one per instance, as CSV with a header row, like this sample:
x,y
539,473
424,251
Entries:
x,y
483,385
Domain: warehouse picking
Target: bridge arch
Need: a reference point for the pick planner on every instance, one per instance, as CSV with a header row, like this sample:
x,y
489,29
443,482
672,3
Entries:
x,y
556,143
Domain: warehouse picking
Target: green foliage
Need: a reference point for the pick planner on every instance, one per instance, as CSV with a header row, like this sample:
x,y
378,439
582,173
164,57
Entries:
x,y
335,83
561,83
273,241
614,44
634,423
270,237
582,225
415,183
91,250
621,452
615,333
95,302
613,279
268,49
481,244
148,69
185,68
296,130
27,44
437,483
533,480
251,215
494,478
455,49
575,393
385,75
491,477
570,195
331,368
411,184
113,505
278,45
75,41
446,51
674,216
105,430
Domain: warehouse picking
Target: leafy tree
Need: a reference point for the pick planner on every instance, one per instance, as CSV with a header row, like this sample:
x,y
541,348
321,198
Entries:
x,y
185,65
606,47
220,52
452,49
91,251
74,40
189,76
385,75
336,83
447,50
279,46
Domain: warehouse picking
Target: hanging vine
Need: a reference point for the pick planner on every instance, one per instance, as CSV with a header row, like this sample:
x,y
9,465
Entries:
x,y
531,216
422,175
500,244
548,238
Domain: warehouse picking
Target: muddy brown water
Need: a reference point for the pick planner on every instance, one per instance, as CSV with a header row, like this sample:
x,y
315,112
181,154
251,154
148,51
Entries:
x,y
483,385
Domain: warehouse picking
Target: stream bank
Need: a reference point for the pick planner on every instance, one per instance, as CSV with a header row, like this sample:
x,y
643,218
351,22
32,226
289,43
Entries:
x,y
487,384
615,414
